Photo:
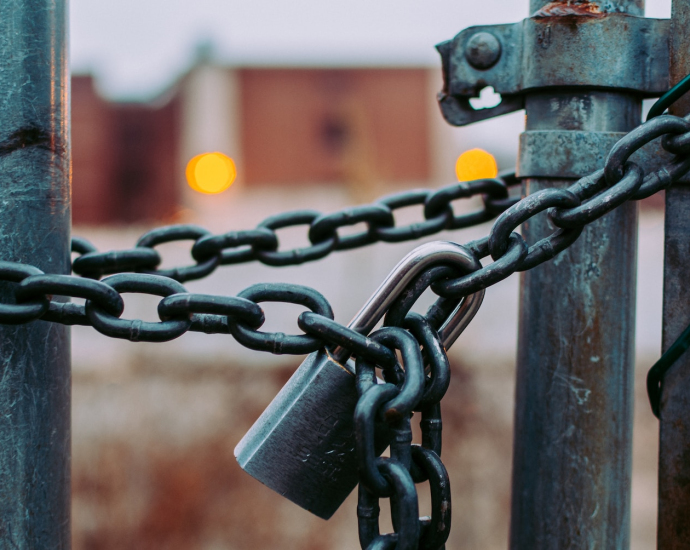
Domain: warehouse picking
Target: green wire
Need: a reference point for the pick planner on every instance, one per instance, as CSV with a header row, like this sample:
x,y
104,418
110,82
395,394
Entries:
x,y
670,97
662,366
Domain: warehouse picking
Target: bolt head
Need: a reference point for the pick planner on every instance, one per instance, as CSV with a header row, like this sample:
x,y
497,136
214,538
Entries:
x,y
483,50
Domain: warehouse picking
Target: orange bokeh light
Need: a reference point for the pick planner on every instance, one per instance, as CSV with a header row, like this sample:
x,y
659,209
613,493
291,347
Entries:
x,y
475,164
211,173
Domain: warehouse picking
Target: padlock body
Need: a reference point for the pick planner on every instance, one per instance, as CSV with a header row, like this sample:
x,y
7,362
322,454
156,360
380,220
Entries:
x,y
303,445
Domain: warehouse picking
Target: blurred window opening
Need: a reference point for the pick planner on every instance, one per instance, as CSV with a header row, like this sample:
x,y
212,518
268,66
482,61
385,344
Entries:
x,y
334,134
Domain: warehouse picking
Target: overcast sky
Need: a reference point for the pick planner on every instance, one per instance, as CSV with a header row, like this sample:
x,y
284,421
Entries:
x,y
136,47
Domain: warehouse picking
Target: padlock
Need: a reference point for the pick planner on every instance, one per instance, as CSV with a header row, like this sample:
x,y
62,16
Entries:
x,y
303,445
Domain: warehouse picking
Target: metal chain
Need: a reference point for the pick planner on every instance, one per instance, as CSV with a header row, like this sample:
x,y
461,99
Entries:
x,y
261,244
383,412
569,209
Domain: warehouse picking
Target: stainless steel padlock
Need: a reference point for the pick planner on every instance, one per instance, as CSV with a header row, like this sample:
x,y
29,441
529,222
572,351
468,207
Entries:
x,y
303,445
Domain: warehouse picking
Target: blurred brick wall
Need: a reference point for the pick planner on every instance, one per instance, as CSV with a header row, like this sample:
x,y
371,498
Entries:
x,y
93,158
335,125
298,126
124,158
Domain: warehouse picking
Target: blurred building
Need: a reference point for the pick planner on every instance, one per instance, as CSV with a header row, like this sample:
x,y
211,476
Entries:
x,y
355,127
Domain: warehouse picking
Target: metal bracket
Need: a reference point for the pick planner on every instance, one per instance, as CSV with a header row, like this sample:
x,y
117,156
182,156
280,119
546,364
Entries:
x,y
542,154
613,51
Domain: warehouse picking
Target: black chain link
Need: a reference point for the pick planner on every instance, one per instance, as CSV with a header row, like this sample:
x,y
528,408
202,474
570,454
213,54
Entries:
x,y
278,342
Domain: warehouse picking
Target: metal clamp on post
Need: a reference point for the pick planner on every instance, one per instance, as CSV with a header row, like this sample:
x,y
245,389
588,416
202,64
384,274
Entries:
x,y
562,45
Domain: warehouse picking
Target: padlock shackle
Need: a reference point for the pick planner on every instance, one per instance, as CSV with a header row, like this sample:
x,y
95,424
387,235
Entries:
x,y
416,262
462,316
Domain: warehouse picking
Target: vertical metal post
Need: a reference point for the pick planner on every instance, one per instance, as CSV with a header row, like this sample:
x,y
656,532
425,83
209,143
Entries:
x,y
674,437
573,420
34,228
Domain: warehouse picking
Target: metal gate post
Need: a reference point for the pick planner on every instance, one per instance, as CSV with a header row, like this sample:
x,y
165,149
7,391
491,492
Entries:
x,y
574,395
35,174
674,437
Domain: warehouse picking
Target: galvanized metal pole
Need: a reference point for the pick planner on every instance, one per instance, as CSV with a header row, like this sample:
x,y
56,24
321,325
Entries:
x,y
34,228
573,421
673,531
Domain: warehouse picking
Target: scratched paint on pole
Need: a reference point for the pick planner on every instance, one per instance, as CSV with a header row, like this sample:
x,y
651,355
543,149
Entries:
x,y
574,393
35,228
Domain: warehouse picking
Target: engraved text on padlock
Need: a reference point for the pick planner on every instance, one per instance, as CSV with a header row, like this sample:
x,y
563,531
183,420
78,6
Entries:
x,y
302,446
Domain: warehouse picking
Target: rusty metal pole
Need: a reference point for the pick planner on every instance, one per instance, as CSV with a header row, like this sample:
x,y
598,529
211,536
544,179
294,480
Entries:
x,y
673,531
574,395
34,228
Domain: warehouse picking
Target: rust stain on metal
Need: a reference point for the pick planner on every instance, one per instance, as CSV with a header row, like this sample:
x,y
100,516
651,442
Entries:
x,y
569,9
